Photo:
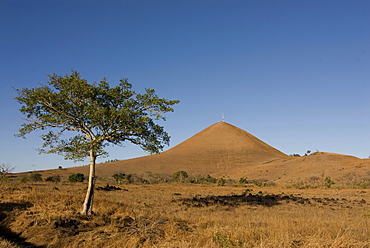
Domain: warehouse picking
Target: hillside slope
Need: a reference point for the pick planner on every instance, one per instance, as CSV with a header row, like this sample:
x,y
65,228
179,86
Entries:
x,y
218,148
319,165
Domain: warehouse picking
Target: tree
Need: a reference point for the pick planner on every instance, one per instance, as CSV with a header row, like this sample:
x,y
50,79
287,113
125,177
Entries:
x,y
119,177
95,115
180,176
5,169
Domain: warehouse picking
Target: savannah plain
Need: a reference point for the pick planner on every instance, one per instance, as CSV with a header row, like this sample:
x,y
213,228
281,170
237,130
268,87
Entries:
x,y
184,215
250,195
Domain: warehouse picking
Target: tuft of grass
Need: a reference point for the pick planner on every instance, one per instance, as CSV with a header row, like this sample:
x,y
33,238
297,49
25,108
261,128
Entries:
x,y
225,241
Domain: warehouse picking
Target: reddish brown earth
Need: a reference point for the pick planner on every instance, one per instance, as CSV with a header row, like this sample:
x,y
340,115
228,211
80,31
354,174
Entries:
x,y
223,150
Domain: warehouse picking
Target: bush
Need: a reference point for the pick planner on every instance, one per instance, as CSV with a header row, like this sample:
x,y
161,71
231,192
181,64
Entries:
x,y
201,179
123,178
23,179
243,180
221,182
149,177
119,177
54,179
34,177
328,182
210,179
180,176
225,241
77,177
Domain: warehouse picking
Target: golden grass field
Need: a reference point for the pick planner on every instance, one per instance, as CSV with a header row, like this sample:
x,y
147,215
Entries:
x,y
183,215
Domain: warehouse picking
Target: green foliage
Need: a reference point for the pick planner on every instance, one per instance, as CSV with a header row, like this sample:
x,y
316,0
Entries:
x,y
119,177
364,184
221,182
23,179
54,179
328,182
180,176
295,155
308,152
95,115
34,177
201,179
210,179
243,180
225,241
77,177
258,183
313,182
60,167
148,177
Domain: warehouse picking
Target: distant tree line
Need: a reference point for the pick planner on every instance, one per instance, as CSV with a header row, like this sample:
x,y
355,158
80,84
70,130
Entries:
x,y
149,177
308,152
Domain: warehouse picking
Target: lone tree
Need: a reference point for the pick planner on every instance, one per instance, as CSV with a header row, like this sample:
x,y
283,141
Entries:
x,y
5,169
95,115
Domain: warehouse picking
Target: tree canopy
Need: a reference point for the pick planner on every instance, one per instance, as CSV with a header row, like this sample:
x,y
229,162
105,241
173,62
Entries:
x,y
95,113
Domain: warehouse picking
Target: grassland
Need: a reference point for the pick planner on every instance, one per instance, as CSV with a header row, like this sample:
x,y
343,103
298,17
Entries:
x,y
183,215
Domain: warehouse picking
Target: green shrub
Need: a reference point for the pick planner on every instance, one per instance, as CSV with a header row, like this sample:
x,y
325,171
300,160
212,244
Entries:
x,y
77,177
119,177
243,180
328,182
210,179
23,179
364,184
122,178
180,176
201,179
221,182
149,177
54,179
34,177
225,241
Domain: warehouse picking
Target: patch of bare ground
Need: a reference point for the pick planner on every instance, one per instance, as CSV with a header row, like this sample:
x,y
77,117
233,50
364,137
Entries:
x,y
184,215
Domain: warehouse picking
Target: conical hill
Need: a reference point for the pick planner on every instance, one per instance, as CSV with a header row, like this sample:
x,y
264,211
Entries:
x,y
218,148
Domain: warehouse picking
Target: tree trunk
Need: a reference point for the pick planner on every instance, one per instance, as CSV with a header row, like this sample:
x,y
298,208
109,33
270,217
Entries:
x,y
88,204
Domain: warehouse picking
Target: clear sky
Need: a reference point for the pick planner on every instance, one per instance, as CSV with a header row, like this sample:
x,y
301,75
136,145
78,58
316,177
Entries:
x,y
293,73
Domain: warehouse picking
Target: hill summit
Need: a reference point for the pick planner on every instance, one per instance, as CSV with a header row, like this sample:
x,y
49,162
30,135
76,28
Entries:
x,y
219,147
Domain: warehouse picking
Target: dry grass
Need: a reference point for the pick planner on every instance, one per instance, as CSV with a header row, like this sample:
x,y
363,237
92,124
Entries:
x,y
185,215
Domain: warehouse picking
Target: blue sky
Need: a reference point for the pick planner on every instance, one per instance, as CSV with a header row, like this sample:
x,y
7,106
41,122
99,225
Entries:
x,y
293,73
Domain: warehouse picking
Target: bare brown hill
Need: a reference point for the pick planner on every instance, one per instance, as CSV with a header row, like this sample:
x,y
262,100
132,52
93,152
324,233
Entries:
x,y
218,148
319,165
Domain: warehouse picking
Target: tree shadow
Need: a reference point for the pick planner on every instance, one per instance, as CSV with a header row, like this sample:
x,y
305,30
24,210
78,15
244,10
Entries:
x,y
233,200
259,199
5,232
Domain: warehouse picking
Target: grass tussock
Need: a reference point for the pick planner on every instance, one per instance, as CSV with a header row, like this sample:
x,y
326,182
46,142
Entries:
x,y
184,215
